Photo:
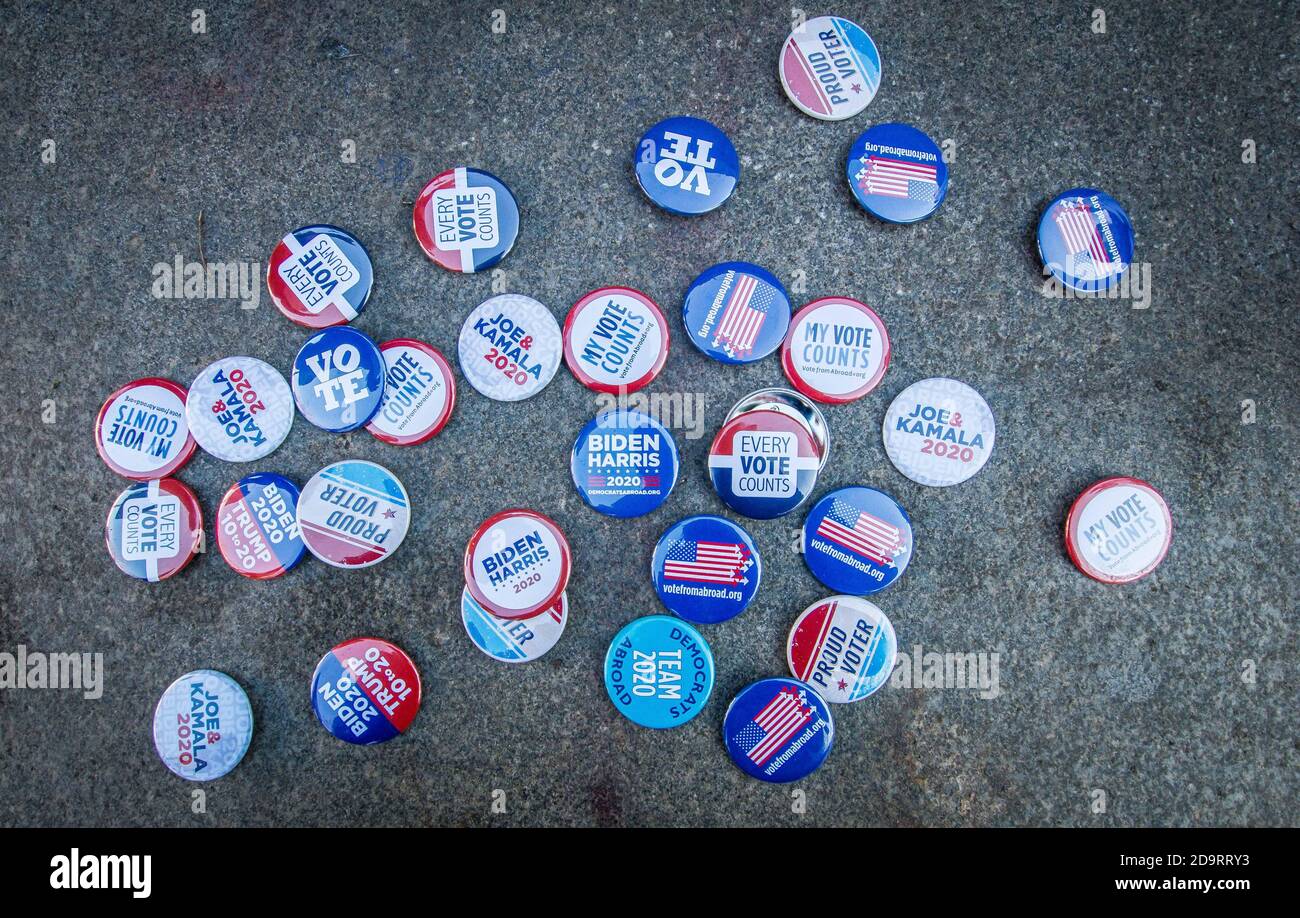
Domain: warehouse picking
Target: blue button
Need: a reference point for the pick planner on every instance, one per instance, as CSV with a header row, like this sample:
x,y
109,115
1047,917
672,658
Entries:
x,y
366,691
338,379
736,312
1086,240
897,173
624,463
659,671
706,569
778,730
857,540
686,165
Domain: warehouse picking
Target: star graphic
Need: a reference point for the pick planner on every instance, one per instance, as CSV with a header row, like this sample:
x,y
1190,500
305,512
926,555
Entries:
x,y
843,685
856,87
390,514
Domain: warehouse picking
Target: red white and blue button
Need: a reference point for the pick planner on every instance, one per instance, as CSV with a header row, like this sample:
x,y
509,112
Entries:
x,y
687,166
764,463
513,640
1085,239
141,431
466,220
706,569
257,526
844,647
320,276
659,672
510,347
736,312
154,529
517,564
419,393
202,725
897,173
615,340
778,730
1119,530
338,379
830,68
366,691
857,540
624,463
239,409
353,514
837,350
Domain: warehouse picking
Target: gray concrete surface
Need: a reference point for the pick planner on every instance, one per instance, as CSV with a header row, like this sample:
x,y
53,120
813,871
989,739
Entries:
x,y
1139,697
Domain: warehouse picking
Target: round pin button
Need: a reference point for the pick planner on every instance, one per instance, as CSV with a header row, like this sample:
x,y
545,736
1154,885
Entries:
x,y
466,220
517,564
510,347
338,379
659,671
939,432
1085,239
154,529
419,393
736,312
513,640
836,350
778,730
202,725
239,409
857,540
1118,530
897,173
844,647
830,68
624,463
793,405
687,166
257,526
353,514
615,340
320,276
366,691
141,431
763,464
706,569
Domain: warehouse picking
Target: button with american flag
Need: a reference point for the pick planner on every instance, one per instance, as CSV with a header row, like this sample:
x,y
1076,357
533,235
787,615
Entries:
x,y
517,564
154,529
844,646
736,312
659,671
353,514
513,640
857,540
830,68
778,730
1085,240
939,432
320,276
624,463
366,691
837,350
687,166
1119,530
706,569
466,220
763,464
897,173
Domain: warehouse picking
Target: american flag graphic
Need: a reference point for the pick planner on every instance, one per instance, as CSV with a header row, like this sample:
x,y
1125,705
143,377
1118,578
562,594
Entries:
x,y
707,562
747,306
896,178
861,533
773,726
1079,231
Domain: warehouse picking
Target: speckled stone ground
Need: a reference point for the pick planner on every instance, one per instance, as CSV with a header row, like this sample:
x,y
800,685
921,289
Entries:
x,y
1172,701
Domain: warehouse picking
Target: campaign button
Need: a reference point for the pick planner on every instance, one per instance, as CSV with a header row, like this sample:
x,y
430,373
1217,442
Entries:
x,y
154,529
517,564
366,691
897,173
844,647
830,68
257,526
419,393
513,640
202,725
763,464
939,432
659,671
624,463
353,514
706,569
510,347
320,276
792,405
239,409
836,350
857,540
687,166
141,431
1118,530
1085,239
778,730
736,312
615,340
466,220
338,379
